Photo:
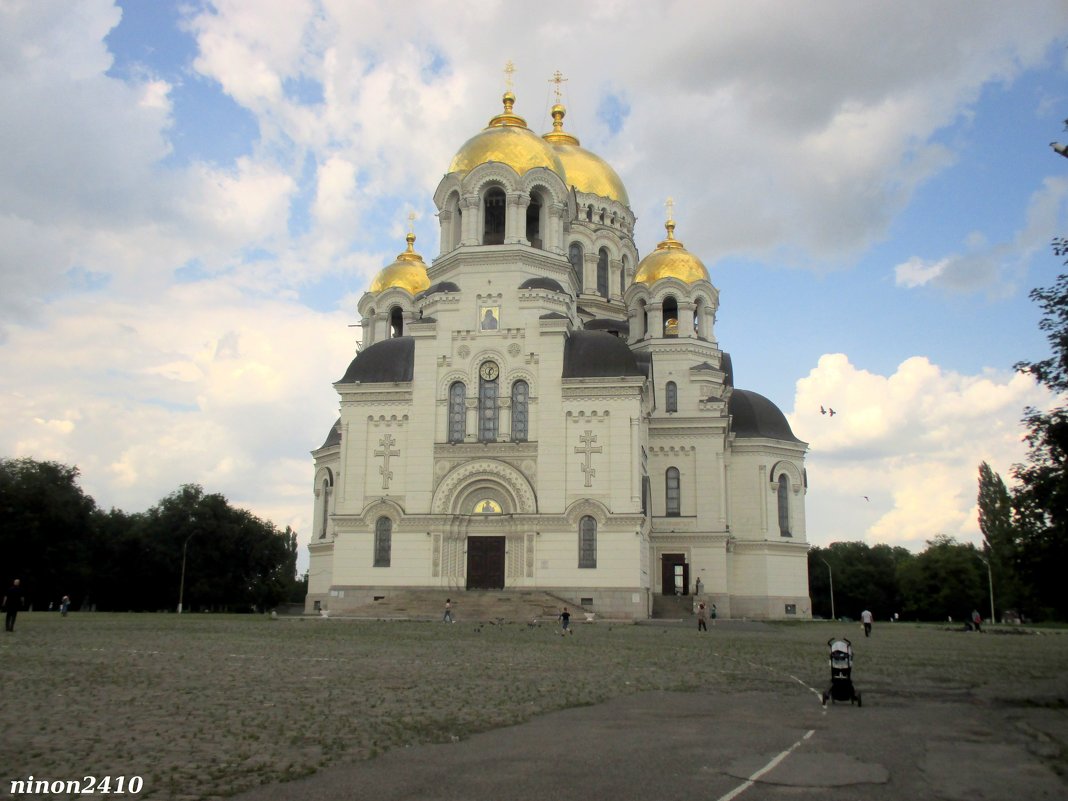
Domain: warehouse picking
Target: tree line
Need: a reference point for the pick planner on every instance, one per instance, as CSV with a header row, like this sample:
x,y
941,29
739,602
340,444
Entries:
x,y
57,541
1025,527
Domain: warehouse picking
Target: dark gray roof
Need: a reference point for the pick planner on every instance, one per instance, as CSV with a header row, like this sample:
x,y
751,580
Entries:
x,y
604,324
333,437
753,415
595,354
553,316
383,362
440,286
541,283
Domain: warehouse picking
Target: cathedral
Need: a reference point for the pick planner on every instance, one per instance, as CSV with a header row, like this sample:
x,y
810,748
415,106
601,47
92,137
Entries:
x,y
542,408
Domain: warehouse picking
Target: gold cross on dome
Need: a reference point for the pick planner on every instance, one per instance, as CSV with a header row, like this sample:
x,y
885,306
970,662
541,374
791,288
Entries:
x,y
509,69
670,206
411,222
558,78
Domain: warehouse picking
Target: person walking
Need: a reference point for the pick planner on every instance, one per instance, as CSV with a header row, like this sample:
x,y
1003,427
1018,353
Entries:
x,y
866,619
712,613
977,621
565,622
447,617
702,617
12,604
64,605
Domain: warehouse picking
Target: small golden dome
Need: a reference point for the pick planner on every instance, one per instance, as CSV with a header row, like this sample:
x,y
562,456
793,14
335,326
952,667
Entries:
x,y
670,260
585,171
407,272
507,140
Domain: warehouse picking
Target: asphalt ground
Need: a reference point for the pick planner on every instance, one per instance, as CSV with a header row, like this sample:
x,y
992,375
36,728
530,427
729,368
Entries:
x,y
776,745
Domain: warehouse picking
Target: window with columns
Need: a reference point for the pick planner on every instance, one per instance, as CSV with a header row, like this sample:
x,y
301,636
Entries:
x,y
493,228
602,272
671,397
576,256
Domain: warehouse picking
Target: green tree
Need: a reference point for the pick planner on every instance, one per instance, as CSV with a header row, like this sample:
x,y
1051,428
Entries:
x,y
996,521
865,577
947,579
1041,500
45,530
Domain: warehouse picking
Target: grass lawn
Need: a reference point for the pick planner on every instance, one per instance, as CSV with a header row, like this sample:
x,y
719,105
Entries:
x,y
202,706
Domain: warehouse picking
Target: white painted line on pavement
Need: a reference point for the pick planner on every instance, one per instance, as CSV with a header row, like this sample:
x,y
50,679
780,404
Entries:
x,y
741,788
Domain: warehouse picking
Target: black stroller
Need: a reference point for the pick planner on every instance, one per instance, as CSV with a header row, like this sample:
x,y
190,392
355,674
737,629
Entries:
x,y
841,688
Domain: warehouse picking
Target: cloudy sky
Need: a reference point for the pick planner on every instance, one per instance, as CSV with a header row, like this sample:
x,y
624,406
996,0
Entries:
x,y
194,195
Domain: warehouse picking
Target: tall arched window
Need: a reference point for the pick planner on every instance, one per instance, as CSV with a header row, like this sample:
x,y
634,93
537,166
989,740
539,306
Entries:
x,y
602,272
784,506
455,228
396,322
575,256
698,328
623,277
534,220
587,542
487,406
493,231
520,418
672,493
457,412
326,507
383,541
671,397
671,317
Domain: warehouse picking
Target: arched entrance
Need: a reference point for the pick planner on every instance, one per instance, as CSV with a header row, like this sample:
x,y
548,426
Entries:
x,y
485,553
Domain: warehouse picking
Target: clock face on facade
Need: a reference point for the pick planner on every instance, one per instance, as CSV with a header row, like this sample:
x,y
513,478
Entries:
x,y
488,371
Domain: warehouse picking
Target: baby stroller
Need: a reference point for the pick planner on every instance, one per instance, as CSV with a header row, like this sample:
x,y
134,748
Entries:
x,y
841,688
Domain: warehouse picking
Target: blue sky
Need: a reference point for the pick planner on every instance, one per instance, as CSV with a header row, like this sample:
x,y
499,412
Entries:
x,y
199,193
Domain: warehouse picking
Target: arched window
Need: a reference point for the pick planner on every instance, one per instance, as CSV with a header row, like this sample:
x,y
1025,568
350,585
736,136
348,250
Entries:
x,y
520,418
487,408
457,412
587,542
326,507
671,397
784,506
493,232
697,327
602,272
623,277
396,322
575,256
602,216
455,225
671,317
534,220
589,213
383,541
672,493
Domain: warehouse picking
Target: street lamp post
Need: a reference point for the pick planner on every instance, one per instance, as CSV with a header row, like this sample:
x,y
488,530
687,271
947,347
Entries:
x,y
181,584
830,578
990,584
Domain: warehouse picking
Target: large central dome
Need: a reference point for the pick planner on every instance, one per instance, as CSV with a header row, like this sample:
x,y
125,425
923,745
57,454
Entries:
x,y
507,140
586,171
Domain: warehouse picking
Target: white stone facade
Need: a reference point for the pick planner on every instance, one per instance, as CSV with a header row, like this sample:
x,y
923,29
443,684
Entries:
x,y
512,426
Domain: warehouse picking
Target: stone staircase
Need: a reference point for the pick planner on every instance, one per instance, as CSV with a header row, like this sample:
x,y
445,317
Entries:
x,y
467,606
668,607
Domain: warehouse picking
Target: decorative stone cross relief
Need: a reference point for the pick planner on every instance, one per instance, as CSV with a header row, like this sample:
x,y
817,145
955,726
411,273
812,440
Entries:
x,y
588,449
387,442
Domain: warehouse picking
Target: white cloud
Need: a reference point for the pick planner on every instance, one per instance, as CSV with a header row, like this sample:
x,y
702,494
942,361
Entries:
x,y
911,442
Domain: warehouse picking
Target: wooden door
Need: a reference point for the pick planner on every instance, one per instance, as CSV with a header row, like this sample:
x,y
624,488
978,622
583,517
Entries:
x,y
485,563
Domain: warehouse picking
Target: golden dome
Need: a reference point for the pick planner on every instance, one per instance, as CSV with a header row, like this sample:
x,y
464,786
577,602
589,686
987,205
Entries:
x,y
585,171
407,272
670,260
508,140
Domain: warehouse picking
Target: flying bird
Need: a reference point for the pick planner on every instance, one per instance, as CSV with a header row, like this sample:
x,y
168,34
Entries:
x,y
833,412
822,410
867,498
